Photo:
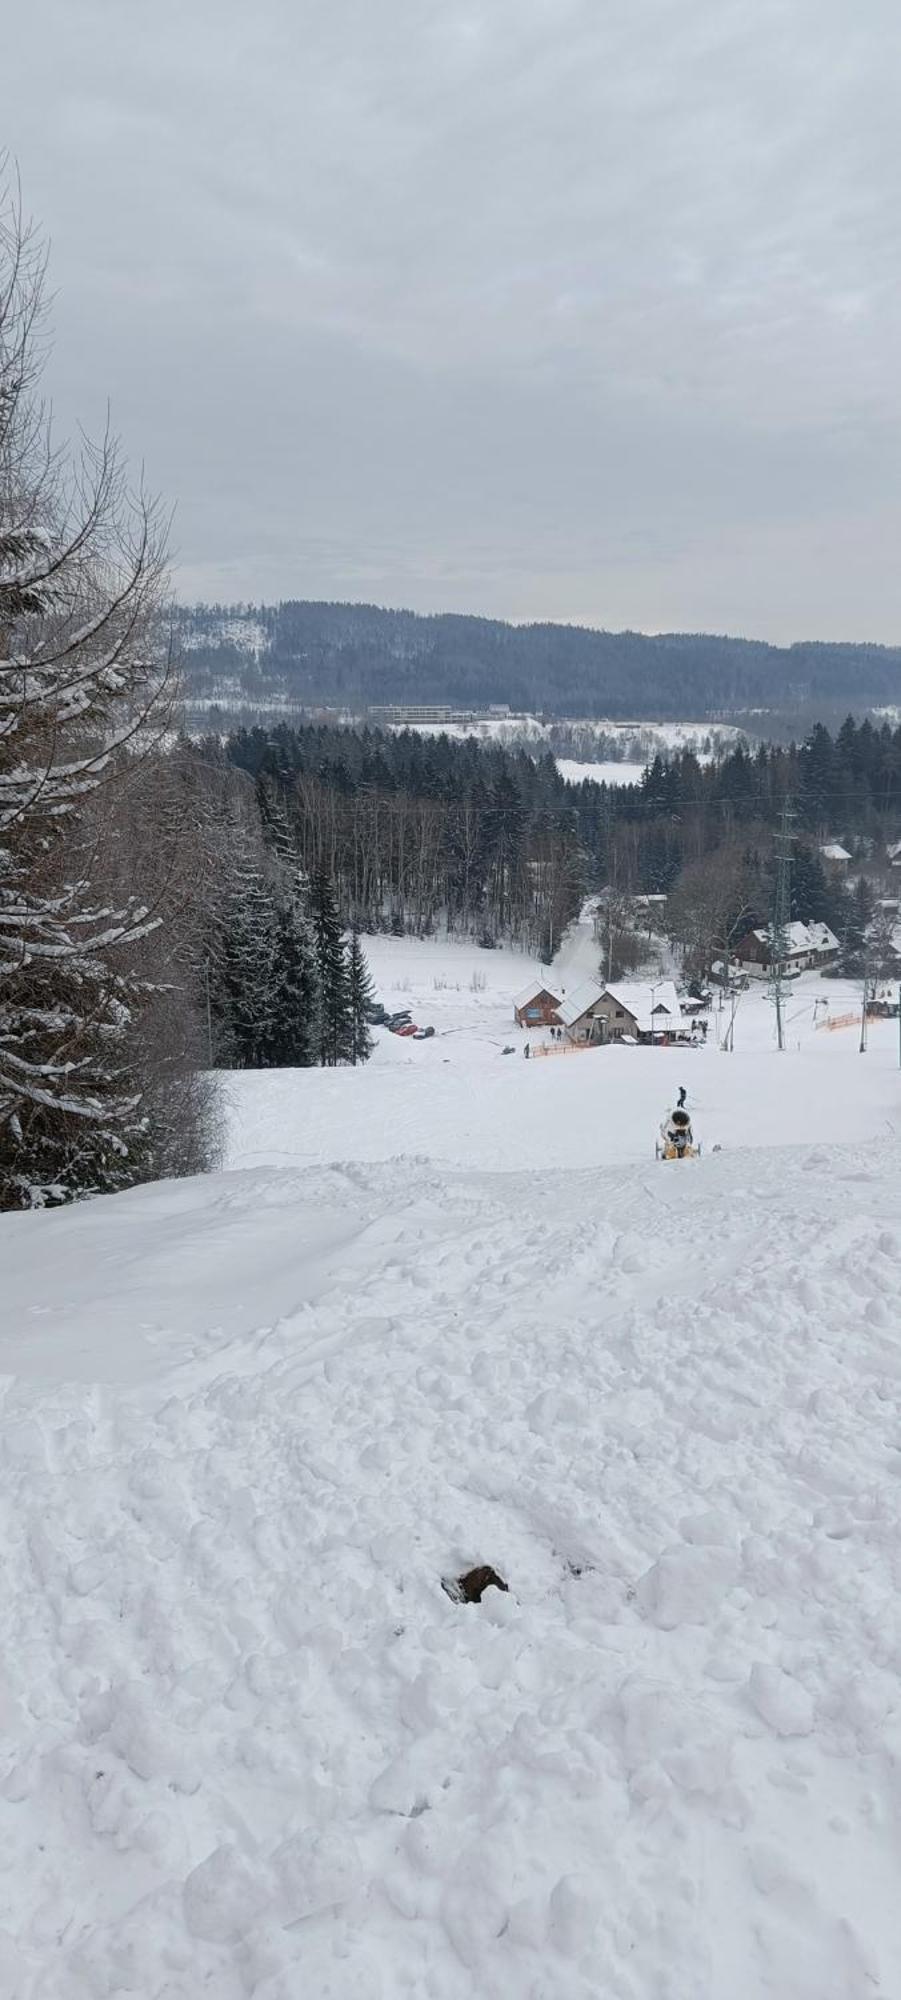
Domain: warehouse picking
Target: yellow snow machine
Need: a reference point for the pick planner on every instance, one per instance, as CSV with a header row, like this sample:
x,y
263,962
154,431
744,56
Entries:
x,y
676,1141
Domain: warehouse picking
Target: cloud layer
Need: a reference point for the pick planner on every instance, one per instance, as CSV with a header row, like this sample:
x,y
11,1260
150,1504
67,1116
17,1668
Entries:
x,y
563,308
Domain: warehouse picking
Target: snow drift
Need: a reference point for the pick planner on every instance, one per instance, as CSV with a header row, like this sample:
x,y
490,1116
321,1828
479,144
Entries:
x,y
250,1745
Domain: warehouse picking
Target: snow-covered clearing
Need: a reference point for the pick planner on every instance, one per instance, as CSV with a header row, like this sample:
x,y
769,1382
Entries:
x,y
447,1310
601,774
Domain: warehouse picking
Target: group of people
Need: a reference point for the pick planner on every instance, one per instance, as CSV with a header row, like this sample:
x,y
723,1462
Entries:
x,y
556,1035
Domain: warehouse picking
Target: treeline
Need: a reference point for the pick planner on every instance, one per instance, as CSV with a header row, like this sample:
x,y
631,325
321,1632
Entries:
x,y
418,830
360,655
284,988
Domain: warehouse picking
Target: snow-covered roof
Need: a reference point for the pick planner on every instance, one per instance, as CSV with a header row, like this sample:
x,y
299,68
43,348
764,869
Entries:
x,y
803,938
834,851
578,1002
532,991
648,1004
894,852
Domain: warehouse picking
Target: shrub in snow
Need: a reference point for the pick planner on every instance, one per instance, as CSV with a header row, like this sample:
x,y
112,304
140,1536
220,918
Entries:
x,y
471,1587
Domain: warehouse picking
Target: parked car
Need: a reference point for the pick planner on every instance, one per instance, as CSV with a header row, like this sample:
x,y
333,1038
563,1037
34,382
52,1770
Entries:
x,y
396,1021
377,1015
407,1028
423,1034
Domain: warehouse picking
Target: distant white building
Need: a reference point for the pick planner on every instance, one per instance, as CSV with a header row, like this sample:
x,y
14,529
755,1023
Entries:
x,y
836,855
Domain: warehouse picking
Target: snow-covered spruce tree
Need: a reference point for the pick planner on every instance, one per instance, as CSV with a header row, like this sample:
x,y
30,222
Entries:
x,y
335,1022
293,1038
82,573
362,997
244,963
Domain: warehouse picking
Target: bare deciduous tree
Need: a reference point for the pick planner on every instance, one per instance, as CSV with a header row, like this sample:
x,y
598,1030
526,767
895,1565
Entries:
x,y
711,907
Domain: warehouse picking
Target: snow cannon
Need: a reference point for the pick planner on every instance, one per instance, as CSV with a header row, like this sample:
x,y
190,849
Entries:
x,y
676,1140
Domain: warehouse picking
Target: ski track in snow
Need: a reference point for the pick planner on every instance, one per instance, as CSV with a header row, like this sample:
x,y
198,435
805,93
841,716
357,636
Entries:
x,y
251,1748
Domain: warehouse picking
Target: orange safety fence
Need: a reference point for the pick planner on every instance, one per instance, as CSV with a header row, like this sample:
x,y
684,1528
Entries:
x,y
834,1021
563,1048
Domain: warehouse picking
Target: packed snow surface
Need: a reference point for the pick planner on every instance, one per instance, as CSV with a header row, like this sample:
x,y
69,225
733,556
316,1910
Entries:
x,y
456,1314
601,774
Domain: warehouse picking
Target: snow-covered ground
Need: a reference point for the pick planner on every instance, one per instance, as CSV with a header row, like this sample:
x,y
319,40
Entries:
x,y
602,774
460,1099
447,1310
706,739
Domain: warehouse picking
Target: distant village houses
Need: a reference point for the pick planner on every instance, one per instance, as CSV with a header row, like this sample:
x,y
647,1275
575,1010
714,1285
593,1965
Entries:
x,y
808,947
631,1011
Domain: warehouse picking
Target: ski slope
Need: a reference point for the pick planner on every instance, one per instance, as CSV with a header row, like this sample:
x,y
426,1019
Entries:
x,y
459,1100
250,1745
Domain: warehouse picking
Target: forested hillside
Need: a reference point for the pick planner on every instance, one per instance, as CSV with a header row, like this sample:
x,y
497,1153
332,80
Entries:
x,y
416,834
356,654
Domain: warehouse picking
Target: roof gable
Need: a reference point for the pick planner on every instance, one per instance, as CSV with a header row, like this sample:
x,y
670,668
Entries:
x,y
579,1001
534,991
649,1004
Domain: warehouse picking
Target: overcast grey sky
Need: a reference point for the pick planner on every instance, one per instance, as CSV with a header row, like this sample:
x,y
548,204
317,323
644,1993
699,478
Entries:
x,y
584,309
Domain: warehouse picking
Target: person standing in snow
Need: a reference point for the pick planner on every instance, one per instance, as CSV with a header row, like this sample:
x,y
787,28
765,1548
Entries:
x,y
681,1098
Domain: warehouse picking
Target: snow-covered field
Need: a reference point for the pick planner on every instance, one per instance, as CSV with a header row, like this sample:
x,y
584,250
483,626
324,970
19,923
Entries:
x,y
602,774
442,1311
635,740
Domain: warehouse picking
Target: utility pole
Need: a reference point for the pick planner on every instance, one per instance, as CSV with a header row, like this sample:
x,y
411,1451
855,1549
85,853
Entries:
x,y
781,916
729,1043
862,1045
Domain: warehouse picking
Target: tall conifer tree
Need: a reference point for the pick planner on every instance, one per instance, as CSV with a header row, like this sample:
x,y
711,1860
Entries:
x,y
362,997
335,1025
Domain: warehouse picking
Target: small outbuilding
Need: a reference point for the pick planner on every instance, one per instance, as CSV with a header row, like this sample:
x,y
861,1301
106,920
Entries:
x,y
885,1003
835,855
536,1007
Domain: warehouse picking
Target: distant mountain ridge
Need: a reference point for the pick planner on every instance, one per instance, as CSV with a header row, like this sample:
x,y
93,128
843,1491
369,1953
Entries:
x,y
358,655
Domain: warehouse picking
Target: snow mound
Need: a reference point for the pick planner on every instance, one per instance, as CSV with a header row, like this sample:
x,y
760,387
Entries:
x,y
251,1747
